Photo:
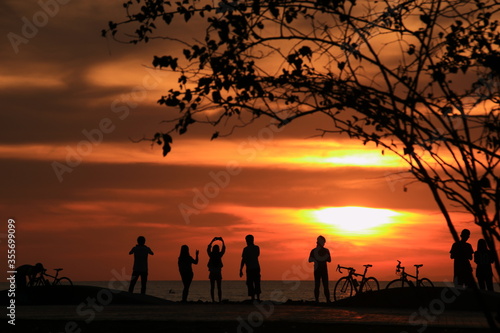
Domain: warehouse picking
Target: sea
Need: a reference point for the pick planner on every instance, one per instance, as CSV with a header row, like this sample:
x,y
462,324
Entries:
x,y
236,291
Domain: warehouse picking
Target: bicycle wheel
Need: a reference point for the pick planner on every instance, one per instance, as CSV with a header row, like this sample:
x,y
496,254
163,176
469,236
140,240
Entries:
x,y
425,283
398,283
343,289
64,281
370,284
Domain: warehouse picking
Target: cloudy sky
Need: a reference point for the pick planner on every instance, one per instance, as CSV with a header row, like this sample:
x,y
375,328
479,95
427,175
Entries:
x,y
81,191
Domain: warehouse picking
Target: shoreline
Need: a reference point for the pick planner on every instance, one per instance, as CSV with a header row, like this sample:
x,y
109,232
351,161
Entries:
x,y
410,298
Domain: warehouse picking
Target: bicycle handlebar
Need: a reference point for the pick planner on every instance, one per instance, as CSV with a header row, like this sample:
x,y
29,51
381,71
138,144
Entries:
x,y
399,267
350,269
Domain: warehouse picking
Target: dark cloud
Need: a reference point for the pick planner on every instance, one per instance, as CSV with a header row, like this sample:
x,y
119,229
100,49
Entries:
x,y
217,220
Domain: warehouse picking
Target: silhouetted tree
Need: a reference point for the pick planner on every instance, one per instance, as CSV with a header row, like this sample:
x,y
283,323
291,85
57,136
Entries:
x,y
419,78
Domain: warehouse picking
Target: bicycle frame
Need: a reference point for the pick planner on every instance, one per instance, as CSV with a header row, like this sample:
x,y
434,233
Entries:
x,y
349,285
352,276
43,277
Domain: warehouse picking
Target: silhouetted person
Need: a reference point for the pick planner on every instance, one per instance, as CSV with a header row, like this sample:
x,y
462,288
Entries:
x,y
185,263
320,256
140,252
484,258
250,259
462,252
27,273
215,254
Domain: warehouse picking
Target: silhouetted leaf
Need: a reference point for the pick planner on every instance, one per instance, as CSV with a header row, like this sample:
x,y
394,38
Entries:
x,y
164,61
408,150
256,7
173,64
171,100
447,110
485,182
425,18
216,97
167,138
275,11
305,51
167,18
411,49
166,148
438,76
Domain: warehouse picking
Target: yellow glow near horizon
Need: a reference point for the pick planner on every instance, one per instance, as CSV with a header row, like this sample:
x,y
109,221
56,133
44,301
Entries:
x,y
356,220
353,157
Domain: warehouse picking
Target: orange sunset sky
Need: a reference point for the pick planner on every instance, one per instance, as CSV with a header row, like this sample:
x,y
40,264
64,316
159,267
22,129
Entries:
x,y
81,192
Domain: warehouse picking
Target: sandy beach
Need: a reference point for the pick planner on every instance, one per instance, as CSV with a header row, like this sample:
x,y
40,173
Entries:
x,y
91,309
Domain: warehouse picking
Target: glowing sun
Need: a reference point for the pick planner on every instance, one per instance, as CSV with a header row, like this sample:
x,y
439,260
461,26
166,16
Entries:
x,y
356,220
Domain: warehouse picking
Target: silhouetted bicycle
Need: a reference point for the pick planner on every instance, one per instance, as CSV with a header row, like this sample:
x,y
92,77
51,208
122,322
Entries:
x,y
403,281
42,280
349,285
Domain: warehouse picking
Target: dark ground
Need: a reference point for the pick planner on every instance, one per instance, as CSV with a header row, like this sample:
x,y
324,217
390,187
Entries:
x,y
90,309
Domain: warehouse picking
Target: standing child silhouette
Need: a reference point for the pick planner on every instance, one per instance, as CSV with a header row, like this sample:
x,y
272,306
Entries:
x,y
140,252
484,258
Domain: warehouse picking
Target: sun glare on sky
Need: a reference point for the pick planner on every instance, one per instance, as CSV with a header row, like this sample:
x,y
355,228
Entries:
x,y
351,157
356,220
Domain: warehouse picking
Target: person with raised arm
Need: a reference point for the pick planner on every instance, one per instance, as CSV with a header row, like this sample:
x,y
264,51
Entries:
x,y
215,265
